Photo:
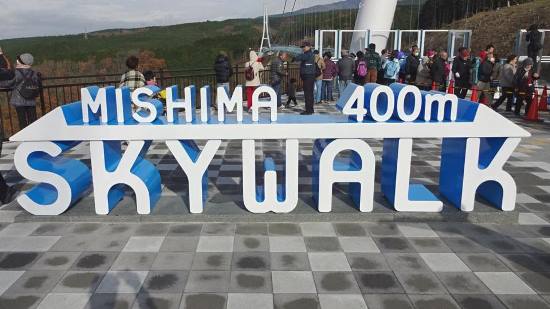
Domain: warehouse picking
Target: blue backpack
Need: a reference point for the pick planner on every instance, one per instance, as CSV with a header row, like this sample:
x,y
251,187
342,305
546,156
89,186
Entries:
x,y
392,69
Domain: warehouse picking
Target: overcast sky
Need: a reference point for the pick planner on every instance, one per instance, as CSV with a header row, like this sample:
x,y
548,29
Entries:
x,y
24,18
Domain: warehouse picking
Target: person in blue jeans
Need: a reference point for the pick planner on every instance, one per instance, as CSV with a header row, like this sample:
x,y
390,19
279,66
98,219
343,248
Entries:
x,y
346,67
330,72
319,79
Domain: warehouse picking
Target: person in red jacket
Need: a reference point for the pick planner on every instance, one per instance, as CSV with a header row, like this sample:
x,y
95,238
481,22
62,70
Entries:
x,y
330,72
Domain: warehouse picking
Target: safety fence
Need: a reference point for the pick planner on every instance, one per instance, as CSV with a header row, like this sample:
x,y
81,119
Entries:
x,y
59,90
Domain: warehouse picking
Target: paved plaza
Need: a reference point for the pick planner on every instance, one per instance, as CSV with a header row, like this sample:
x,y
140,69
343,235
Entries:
x,y
229,258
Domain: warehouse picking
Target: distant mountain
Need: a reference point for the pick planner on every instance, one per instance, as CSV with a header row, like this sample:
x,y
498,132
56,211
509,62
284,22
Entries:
x,y
343,5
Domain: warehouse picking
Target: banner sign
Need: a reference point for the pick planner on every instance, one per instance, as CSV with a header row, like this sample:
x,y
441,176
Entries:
x,y
476,143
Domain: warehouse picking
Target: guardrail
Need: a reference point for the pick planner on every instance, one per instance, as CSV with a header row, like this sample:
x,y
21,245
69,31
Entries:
x,y
59,90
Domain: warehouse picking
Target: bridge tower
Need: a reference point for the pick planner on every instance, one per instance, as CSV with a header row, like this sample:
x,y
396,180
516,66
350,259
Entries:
x,y
374,15
265,32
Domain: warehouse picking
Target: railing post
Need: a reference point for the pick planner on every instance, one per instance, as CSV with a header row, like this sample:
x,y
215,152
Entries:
x,y
161,73
41,91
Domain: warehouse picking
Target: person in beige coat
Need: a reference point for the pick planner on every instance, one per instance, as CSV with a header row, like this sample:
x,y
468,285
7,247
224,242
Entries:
x,y
254,64
319,79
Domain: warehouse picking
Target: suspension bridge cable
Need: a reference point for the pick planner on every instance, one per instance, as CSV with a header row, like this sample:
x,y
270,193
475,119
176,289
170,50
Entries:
x,y
284,8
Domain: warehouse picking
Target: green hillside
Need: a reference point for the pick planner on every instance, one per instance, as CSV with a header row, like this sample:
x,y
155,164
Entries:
x,y
184,46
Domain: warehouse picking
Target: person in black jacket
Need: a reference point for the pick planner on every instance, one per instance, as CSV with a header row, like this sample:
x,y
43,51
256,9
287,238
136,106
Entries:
x,y
411,65
525,85
462,72
6,74
223,70
308,74
484,75
438,71
534,38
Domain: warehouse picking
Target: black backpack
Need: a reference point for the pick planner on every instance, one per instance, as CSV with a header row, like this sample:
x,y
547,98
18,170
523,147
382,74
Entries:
x,y
29,89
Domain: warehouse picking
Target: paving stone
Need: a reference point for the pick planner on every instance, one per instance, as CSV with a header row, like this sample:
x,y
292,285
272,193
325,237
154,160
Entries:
x,y
19,229
464,245
210,301
388,301
212,261
164,282
111,300
478,301
434,302
349,229
157,301
378,282
296,301
317,229
35,282
284,229
293,282
79,282
134,261
7,278
185,229
215,244
207,281
462,283
122,282
173,261
523,301
504,283
94,261
73,243
420,283
250,282
289,261
113,243
220,229
152,229
353,301
28,244
321,261
287,244
20,301
251,261
416,230
429,245
485,262
367,262
540,282
250,243
358,244
393,244
444,262
143,244
252,229
64,300
18,260
322,244
85,228
406,262
383,229
179,244
249,301
51,229
336,282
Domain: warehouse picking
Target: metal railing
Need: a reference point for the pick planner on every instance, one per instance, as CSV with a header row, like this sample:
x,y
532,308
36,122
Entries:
x,y
59,90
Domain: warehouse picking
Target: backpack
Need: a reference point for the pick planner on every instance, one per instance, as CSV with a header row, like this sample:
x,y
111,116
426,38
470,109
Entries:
x,y
362,68
29,89
249,73
392,68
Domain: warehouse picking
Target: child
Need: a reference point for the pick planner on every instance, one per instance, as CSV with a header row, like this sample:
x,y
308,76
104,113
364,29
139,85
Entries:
x,y
150,78
291,93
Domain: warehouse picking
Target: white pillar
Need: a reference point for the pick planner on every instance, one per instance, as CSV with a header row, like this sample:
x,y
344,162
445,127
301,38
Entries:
x,y
373,15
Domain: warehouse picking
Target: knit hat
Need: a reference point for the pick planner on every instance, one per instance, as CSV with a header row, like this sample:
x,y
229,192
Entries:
x,y
527,61
26,59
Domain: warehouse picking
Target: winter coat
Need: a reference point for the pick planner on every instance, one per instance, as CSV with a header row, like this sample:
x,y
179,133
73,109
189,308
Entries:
x,y
507,76
437,71
16,99
223,70
321,64
423,75
346,67
331,70
485,71
411,66
463,67
373,60
535,41
307,64
257,66
523,81
277,71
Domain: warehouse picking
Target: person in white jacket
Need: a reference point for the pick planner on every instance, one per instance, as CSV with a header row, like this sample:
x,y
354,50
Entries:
x,y
254,64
